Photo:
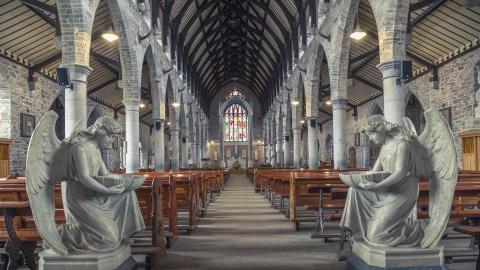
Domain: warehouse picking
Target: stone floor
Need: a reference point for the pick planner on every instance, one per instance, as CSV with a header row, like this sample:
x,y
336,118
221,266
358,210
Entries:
x,y
242,231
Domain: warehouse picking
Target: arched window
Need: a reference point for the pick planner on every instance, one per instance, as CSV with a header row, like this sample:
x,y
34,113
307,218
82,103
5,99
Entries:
x,y
235,93
236,124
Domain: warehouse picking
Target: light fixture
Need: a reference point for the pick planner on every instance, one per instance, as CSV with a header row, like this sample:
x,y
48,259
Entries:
x,y
259,142
175,104
142,105
358,33
328,102
109,36
168,123
212,142
302,122
295,102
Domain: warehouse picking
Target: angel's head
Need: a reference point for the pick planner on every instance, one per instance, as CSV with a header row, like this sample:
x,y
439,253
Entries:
x,y
104,129
378,129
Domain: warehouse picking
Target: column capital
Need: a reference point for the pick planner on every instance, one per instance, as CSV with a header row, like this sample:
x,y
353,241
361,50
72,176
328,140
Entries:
x,y
394,68
339,104
131,105
78,72
297,130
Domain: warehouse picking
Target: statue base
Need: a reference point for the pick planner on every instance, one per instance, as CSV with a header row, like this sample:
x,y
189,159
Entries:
x,y
367,257
120,259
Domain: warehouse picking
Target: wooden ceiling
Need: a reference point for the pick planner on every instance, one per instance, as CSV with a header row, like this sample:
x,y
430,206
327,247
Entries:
x,y
215,42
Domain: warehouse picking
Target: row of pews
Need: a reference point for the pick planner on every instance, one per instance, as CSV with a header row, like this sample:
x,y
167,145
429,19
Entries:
x,y
171,204
318,197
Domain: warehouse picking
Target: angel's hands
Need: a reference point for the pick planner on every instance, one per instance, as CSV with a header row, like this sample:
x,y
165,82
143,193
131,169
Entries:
x,y
115,189
369,186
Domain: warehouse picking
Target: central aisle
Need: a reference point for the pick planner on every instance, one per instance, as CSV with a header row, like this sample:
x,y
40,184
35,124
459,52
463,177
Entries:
x,y
242,231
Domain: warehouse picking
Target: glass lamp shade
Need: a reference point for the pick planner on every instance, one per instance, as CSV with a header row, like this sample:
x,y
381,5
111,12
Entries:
x,y
110,36
358,33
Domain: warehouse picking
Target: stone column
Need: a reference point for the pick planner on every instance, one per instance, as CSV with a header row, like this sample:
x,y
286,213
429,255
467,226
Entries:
x,y
297,147
339,133
198,146
184,145
174,139
393,91
76,98
132,127
250,142
312,143
365,146
221,138
286,150
159,141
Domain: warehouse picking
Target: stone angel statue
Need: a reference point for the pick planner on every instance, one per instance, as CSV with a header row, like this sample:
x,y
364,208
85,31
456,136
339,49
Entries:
x,y
381,205
101,209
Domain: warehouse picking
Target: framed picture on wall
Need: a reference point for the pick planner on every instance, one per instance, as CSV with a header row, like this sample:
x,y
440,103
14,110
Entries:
x,y
27,124
357,139
447,113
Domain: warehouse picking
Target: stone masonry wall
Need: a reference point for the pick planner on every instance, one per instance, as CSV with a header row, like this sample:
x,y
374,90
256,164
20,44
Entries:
x,y
36,103
456,91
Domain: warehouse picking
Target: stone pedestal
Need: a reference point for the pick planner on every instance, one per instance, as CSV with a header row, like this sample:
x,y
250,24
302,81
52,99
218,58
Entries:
x,y
120,259
367,257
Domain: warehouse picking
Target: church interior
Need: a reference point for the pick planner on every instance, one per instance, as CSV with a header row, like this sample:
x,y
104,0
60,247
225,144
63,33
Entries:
x,y
237,134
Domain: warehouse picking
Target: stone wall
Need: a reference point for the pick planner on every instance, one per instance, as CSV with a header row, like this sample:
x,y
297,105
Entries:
x,y
19,99
456,91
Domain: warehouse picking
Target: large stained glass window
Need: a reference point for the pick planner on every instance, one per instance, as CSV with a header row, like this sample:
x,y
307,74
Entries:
x,y
236,124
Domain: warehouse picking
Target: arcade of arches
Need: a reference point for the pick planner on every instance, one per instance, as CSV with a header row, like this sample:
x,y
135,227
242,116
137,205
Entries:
x,y
240,86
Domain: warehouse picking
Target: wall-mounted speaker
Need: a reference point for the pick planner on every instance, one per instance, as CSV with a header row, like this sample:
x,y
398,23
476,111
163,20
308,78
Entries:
x,y
184,140
63,78
313,123
286,138
158,125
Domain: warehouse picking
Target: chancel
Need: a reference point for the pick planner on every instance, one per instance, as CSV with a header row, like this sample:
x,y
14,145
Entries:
x,y
236,134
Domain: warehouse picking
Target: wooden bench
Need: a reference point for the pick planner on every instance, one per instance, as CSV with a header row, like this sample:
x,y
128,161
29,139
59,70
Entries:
x,y
473,231
149,197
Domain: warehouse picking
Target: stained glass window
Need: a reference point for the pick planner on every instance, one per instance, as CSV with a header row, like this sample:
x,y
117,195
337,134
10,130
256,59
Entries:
x,y
235,93
236,124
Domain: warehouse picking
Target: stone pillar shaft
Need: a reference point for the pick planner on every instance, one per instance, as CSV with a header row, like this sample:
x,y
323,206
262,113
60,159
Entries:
x,y
364,143
339,134
394,92
132,127
312,143
76,98
297,147
286,150
174,140
184,145
159,141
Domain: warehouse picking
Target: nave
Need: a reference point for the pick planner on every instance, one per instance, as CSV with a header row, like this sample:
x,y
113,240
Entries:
x,y
242,231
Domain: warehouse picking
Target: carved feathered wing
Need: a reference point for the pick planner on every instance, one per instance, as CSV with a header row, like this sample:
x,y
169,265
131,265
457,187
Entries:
x,y
437,141
45,168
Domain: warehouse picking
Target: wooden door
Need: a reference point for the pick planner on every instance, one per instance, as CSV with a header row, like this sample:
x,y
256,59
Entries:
x,y
4,158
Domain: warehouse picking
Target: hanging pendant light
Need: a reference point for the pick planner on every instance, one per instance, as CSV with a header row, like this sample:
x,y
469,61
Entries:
x,y
109,35
358,33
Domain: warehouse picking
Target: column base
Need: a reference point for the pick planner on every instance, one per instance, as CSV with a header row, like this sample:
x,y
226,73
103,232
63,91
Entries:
x,y
368,257
120,259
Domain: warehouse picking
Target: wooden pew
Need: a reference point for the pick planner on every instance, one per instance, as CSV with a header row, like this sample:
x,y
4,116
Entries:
x,y
149,197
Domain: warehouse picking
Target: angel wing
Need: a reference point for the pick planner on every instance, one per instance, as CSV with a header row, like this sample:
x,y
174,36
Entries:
x,y
441,156
45,168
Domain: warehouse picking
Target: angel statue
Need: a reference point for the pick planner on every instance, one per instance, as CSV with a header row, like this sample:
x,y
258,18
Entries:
x,y
101,209
381,205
